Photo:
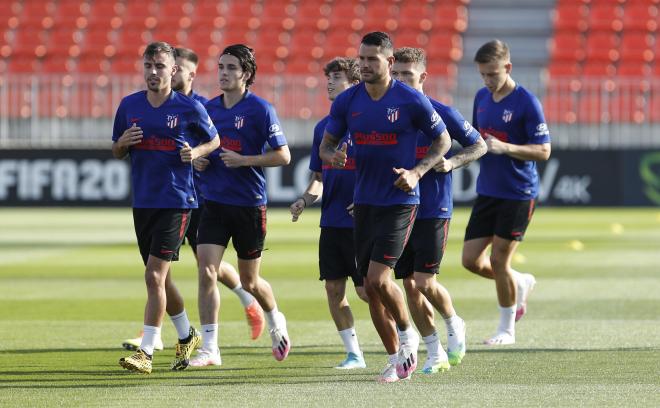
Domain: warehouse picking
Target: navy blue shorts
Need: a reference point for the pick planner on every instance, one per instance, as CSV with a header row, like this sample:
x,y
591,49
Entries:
x,y
246,226
425,248
504,218
160,231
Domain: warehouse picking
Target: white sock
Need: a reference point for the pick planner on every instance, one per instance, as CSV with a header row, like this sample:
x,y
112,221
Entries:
x,y
243,295
270,317
453,324
407,335
507,320
149,336
210,337
432,344
393,358
182,324
516,275
349,337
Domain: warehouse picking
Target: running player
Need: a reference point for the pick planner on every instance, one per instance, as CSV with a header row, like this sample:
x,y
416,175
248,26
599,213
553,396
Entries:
x,y
336,249
234,186
510,118
154,127
383,117
421,257
182,82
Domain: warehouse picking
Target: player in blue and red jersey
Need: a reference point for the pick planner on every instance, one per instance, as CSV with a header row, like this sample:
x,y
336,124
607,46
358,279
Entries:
x,y
383,117
234,187
154,128
510,118
421,258
182,82
335,188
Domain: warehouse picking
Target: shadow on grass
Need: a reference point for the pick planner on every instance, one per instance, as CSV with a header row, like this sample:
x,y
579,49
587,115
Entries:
x,y
192,378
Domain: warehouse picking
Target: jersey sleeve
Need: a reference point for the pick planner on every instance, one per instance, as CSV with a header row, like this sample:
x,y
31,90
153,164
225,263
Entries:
x,y
274,128
459,128
535,126
205,130
120,124
475,109
315,162
426,118
337,125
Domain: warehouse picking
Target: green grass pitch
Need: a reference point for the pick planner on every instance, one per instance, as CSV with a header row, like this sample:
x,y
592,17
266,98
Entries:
x,y
71,289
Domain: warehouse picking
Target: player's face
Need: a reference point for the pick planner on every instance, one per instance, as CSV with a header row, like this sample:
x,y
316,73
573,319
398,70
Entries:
x,y
409,73
494,74
337,83
375,65
230,74
158,72
185,73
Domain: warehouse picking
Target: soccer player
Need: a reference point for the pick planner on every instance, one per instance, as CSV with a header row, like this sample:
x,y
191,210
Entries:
x,y
421,257
234,187
153,127
182,82
510,118
383,117
335,186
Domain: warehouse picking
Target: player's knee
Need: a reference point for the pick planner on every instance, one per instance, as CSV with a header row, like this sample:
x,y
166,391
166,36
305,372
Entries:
x,y
498,262
423,285
249,283
469,263
154,280
207,275
410,286
335,290
362,293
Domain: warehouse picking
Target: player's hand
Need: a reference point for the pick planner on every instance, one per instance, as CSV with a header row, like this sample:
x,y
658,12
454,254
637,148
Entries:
x,y
296,209
339,158
186,153
201,163
350,209
407,180
444,165
131,136
231,158
495,145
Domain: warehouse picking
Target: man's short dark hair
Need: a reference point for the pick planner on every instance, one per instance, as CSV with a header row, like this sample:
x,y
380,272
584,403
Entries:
x,y
187,54
495,50
245,56
159,47
348,66
379,39
409,54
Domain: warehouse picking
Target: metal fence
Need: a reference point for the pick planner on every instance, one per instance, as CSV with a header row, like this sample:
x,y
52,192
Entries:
x,y
65,111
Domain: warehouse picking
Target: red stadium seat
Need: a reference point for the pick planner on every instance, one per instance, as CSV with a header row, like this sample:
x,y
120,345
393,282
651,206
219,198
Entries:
x,y
605,17
602,46
570,16
56,65
22,65
450,17
444,46
560,69
640,17
415,16
560,108
598,69
567,46
126,66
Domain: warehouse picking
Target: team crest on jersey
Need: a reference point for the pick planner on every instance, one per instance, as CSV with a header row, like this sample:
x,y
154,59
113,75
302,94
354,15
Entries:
x,y
392,114
507,116
172,121
239,121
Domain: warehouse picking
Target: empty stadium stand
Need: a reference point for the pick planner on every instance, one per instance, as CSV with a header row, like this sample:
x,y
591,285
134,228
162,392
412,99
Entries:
x,y
591,61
